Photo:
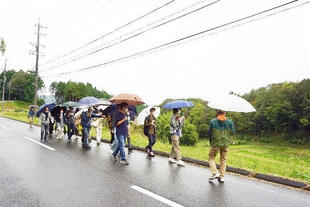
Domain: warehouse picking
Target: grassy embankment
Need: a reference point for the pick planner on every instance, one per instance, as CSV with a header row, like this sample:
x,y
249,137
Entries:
x,y
275,158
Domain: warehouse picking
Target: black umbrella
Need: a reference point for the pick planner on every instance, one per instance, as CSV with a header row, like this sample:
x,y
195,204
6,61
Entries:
x,y
110,109
56,110
49,106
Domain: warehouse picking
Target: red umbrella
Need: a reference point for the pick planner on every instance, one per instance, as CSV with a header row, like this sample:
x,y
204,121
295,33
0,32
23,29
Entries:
x,y
129,98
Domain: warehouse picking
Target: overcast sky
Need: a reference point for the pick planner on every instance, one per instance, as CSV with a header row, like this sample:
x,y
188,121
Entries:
x,y
272,50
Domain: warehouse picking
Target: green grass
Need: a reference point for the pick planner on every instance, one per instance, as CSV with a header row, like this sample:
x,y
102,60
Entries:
x,y
280,158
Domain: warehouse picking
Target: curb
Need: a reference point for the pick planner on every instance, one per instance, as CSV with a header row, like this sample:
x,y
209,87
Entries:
x,y
270,178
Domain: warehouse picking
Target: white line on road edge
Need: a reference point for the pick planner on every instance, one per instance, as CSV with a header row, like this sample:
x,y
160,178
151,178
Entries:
x,y
43,145
4,127
157,197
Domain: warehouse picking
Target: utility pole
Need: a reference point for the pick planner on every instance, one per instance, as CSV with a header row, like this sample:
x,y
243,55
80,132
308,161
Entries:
x,y
3,86
37,53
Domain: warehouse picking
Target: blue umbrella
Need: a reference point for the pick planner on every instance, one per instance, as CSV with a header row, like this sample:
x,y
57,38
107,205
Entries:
x,y
88,101
50,106
178,104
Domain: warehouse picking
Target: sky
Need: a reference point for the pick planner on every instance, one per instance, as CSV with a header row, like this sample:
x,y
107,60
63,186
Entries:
x,y
271,50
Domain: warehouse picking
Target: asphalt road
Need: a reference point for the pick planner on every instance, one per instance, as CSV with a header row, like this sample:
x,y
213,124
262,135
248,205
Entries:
x,y
63,174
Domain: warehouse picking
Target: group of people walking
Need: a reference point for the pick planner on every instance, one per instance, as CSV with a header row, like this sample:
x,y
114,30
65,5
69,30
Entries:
x,y
219,134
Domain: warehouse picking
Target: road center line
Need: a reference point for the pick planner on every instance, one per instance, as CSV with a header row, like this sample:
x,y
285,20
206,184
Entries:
x,y
157,197
4,127
39,143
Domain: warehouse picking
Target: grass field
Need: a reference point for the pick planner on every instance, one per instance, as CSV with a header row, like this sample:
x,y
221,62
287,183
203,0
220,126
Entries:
x,y
281,158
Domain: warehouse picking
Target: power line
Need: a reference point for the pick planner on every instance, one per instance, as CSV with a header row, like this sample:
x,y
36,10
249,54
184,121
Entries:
x,y
134,31
111,32
133,36
190,37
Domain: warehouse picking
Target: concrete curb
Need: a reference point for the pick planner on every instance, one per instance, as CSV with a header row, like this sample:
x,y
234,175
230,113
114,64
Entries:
x,y
269,178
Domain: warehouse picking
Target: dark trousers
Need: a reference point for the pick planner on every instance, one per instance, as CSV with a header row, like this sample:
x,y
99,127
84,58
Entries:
x,y
128,143
44,132
71,130
51,128
152,141
86,131
112,137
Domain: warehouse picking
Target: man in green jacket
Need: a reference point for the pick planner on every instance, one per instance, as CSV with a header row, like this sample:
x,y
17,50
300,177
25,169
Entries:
x,y
220,131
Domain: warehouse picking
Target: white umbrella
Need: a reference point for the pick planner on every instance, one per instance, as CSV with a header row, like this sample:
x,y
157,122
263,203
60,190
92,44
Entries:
x,y
79,113
231,103
145,112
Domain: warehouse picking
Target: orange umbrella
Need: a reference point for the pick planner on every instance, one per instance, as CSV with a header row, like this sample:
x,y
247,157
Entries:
x,y
129,98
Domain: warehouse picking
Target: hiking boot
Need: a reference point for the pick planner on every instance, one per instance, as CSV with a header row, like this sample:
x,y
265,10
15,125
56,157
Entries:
x,y
124,162
171,161
221,179
213,177
181,163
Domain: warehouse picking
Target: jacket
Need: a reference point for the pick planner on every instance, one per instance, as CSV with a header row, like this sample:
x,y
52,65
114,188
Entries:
x,y
31,113
44,120
86,120
147,123
176,125
70,117
220,132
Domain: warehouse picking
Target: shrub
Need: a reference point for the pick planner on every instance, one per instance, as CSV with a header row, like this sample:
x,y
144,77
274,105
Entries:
x,y
190,136
163,127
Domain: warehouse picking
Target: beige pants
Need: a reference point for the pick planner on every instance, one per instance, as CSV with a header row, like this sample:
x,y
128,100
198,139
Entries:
x,y
60,131
175,150
223,157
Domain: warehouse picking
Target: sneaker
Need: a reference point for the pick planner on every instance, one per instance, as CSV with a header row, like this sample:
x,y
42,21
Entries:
x,y
98,143
151,154
181,163
114,159
171,161
213,177
221,179
124,162
70,140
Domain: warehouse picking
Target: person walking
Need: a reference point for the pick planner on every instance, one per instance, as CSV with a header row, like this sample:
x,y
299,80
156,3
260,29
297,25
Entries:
x,y
150,131
70,123
176,124
60,121
86,124
97,123
121,120
44,118
31,114
220,131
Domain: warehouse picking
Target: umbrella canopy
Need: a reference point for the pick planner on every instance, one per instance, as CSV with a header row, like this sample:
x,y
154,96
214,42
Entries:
x,y
56,110
110,109
70,104
145,112
131,99
103,102
79,113
178,104
42,107
231,103
88,101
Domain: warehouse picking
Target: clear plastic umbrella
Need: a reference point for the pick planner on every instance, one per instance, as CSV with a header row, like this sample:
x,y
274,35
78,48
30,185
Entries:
x,y
145,112
231,103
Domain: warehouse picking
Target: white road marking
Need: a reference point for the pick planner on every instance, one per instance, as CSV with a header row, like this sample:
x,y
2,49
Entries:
x,y
4,127
157,197
39,143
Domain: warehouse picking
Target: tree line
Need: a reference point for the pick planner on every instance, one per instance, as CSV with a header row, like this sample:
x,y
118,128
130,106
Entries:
x,y
19,85
74,91
283,112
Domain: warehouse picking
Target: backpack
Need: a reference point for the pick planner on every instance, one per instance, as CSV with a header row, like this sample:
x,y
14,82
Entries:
x,y
146,128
